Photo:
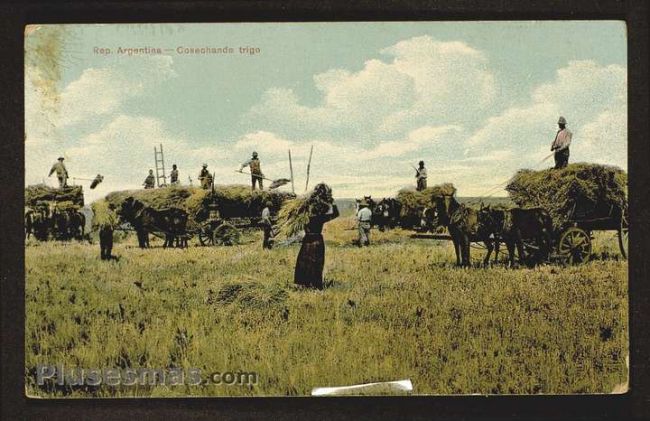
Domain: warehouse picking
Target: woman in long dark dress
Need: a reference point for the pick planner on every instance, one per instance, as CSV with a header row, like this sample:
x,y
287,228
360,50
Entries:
x,y
311,258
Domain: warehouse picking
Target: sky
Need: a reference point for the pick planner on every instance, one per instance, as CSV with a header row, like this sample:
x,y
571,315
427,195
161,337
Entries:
x,y
476,101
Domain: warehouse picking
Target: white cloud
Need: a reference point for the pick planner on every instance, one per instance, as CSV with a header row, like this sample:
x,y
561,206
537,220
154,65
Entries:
x,y
424,83
97,92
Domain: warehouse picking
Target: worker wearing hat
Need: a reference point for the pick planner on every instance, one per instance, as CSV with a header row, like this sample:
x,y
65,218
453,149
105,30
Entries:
x,y
256,171
561,144
364,219
61,172
205,178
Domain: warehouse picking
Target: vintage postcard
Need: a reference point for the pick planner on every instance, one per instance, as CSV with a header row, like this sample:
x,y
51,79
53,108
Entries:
x,y
322,209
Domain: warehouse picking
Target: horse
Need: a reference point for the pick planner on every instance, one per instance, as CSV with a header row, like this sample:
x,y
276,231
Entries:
x,y
37,223
465,227
77,224
515,225
171,221
29,223
61,222
381,214
429,220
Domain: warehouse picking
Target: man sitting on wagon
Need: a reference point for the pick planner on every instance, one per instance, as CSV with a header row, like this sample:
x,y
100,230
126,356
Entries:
x,y
561,144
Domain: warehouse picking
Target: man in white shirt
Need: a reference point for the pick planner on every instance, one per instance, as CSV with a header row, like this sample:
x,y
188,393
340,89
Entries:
x,y
561,144
364,217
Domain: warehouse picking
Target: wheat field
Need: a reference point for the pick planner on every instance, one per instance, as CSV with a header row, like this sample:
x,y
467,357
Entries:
x,y
396,310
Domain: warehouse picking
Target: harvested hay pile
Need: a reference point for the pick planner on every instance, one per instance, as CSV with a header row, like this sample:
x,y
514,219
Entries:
x,y
413,201
239,201
161,198
233,201
38,193
295,214
103,215
579,190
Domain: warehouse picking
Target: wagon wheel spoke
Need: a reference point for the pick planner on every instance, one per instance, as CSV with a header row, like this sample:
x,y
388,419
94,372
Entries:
x,y
225,235
205,237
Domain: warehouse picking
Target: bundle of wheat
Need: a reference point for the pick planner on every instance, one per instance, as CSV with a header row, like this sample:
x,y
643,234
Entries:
x,y
103,214
294,214
578,189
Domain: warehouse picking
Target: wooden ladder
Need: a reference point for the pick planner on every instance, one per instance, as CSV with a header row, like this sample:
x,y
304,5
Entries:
x,y
160,166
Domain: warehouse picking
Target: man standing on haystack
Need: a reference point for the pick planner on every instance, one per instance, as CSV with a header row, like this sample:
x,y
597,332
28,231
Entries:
x,y
150,181
561,144
61,172
364,218
205,178
256,171
173,176
421,177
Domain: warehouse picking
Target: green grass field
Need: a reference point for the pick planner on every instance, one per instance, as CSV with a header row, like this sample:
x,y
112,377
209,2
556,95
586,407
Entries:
x,y
396,310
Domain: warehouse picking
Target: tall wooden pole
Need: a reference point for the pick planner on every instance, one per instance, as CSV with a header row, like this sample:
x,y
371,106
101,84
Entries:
x,y
293,189
311,151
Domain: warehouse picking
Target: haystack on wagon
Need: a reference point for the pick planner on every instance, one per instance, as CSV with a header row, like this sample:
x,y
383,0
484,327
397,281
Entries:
x,y
418,209
581,198
54,212
216,217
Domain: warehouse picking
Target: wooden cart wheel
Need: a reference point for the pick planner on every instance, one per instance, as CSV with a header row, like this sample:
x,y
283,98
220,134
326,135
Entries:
x,y
225,235
575,246
205,236
622,234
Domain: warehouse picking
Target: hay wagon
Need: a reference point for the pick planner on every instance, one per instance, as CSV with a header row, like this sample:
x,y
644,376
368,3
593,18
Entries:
x,y
214,230
217,217
54,213
581,199
572,241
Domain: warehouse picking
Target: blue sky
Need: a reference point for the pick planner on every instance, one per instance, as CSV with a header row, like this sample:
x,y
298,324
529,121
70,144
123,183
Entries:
x,y
475,100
